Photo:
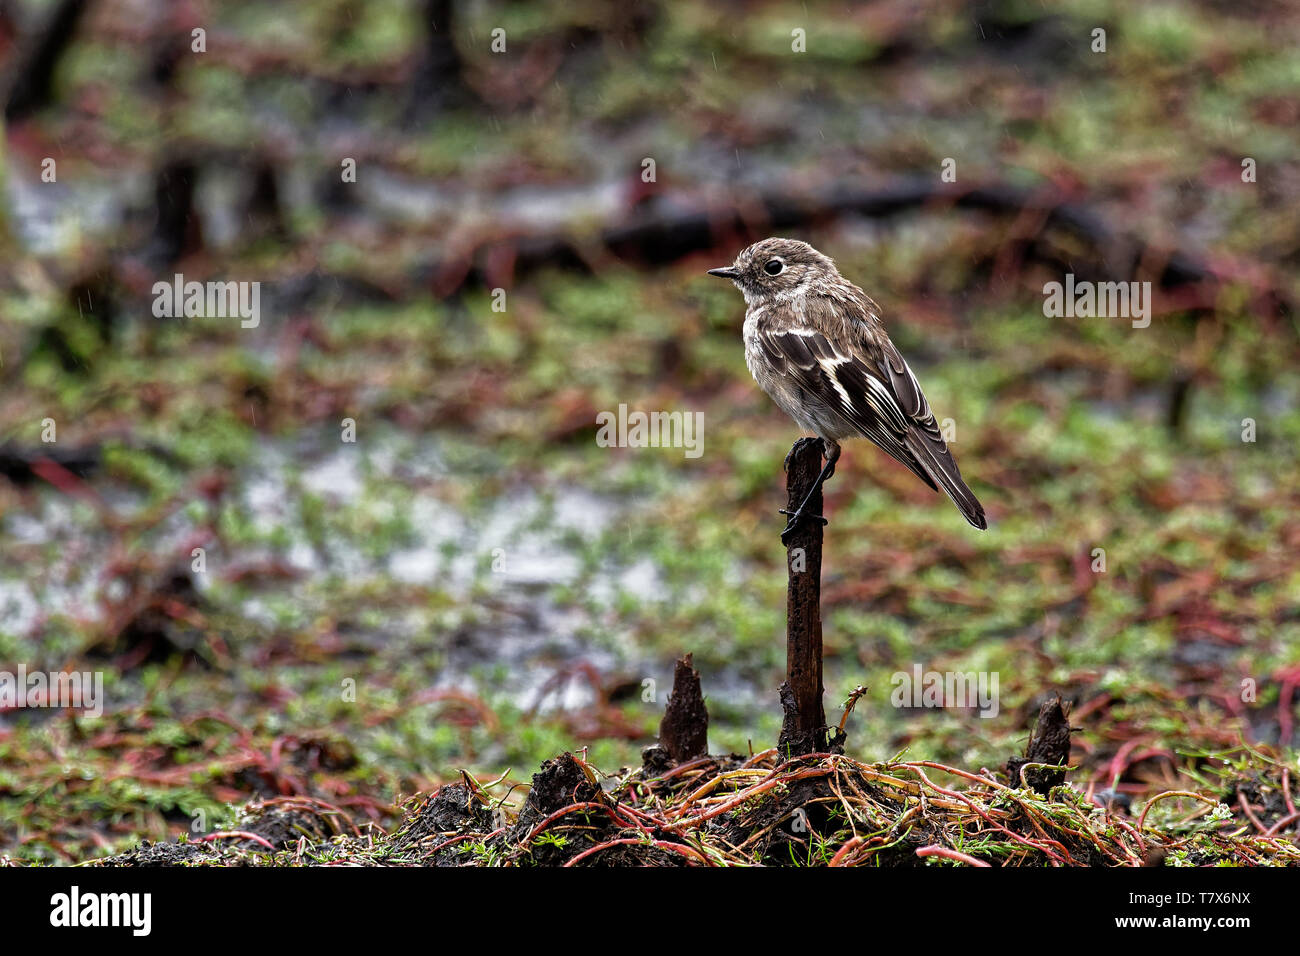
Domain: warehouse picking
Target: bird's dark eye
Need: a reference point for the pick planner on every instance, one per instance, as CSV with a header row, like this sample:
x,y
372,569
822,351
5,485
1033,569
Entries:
x,y
774,267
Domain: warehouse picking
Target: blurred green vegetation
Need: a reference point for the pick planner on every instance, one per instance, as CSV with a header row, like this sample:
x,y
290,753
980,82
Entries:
x,y
497,586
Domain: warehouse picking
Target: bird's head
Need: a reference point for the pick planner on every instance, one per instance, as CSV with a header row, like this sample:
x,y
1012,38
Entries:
x,y
775,267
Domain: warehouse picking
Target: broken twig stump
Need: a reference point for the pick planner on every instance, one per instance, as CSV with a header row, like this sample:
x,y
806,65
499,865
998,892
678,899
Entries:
x,y
1049,744
803,724
684,728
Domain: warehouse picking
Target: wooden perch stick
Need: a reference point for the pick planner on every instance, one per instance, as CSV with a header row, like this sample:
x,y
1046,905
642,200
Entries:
x,y
803,725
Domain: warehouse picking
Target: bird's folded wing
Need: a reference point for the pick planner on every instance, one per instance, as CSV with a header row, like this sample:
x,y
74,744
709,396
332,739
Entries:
x,y
924,440
868,382
844,378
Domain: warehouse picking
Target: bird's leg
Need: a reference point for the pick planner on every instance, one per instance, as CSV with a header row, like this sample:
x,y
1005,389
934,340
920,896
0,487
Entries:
x,y
831,451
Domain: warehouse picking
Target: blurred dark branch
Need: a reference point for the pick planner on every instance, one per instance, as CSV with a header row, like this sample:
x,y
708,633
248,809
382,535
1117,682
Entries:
x,y
439,82
263,207
31,90
22,465
660,231
658,235
177,231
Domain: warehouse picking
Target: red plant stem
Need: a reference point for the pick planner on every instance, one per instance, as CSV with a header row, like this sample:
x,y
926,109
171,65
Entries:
x,y
682,768
1042,848
1119,762
237,835
466,836
1284,722
589,805
1250,814
845,850
660,844
1142,844
745,795
1272,831
949,854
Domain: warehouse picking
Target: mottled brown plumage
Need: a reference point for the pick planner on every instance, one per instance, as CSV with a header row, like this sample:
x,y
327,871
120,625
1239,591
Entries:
x,y
815,343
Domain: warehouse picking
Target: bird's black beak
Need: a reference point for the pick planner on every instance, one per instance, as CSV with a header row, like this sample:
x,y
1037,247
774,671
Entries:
x,y
725,273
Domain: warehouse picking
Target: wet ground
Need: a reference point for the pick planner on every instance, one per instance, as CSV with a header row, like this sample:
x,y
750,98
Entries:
x,y
475,583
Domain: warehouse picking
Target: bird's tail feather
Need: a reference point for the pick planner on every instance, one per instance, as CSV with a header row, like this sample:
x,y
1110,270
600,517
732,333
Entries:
x,y
942,467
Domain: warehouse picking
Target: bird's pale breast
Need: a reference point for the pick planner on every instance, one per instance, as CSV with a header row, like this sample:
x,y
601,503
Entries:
x,y
809,412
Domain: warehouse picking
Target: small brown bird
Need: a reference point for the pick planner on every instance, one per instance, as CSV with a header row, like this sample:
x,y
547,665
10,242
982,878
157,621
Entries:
x,y
815,343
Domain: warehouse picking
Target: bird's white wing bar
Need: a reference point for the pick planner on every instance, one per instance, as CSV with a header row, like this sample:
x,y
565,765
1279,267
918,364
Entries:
x,y
843,381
